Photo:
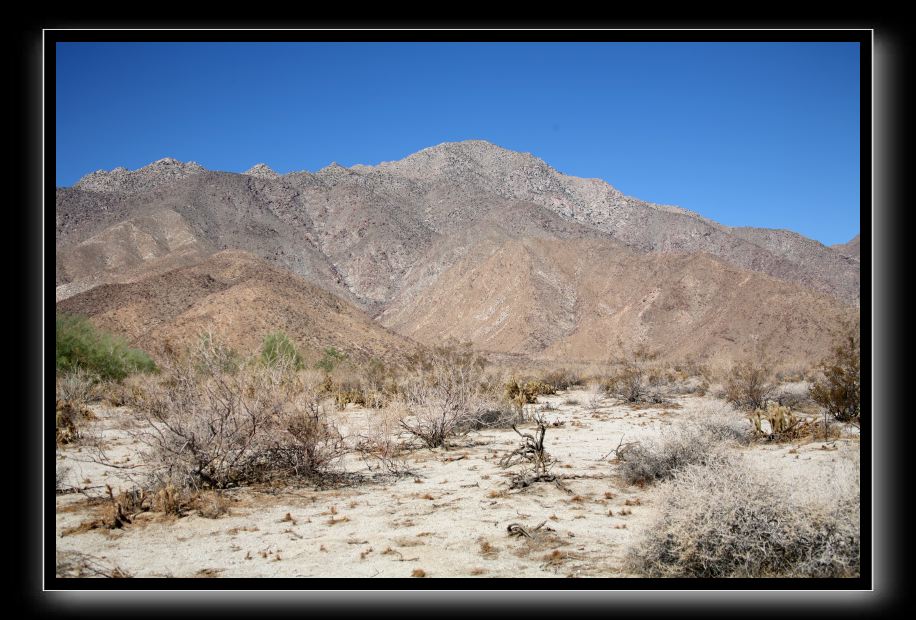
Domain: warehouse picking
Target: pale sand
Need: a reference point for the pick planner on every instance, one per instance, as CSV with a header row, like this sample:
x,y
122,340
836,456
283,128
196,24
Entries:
x,y
436,521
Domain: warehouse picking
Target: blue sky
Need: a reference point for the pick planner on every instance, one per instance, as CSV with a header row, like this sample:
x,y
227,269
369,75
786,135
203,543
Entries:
x,y
748,134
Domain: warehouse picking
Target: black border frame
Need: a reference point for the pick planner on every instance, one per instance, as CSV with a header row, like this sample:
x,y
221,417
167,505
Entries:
x,y
858,33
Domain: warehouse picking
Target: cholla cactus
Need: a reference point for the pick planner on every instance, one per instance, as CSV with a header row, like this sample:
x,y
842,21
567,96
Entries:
x,y
757,420
780,417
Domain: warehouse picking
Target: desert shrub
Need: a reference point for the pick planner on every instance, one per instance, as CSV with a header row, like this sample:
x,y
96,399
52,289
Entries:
x,y
748,386
444,395
330,360
724,518
76,385
561,379
524,392
69,420
793,394
277,348
699,440
595,393
839,392
79,344
637,379
219,429
536,461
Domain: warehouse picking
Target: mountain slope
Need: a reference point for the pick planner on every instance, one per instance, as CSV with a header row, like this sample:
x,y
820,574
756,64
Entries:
x,y
851,248
574,299
241,299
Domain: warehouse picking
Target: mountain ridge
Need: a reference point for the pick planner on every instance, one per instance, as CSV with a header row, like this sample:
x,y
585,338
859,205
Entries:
x,y
387,236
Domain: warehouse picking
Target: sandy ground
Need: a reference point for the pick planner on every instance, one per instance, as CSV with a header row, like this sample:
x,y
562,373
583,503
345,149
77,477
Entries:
x,y
448,519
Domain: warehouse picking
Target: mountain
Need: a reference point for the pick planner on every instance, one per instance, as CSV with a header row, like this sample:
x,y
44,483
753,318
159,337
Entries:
x,y
575,299
850,248
240,299
394,240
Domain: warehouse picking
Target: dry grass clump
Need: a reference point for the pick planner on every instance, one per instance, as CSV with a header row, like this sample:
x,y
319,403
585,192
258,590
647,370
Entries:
x,y
699,440
73,564
726,519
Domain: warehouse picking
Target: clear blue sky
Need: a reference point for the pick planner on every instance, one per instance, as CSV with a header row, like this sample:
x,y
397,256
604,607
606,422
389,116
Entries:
x,y
755,134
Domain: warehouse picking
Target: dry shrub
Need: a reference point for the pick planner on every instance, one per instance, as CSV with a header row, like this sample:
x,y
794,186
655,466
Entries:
x,y
749,385
216,425
794,394
77,386
69,420
211,504
73,564
561,379
536,461
637,378
727,519
699,440
839,391
444,397
594,395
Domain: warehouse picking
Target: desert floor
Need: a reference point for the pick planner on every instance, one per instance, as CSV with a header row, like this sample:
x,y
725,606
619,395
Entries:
x,y
447,518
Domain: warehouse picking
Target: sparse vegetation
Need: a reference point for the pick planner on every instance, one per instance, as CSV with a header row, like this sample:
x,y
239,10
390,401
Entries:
x,y
839,392
531,453
638,379
749,385
223,429
80,345
330,360
697,441
444,396
723,519
278,350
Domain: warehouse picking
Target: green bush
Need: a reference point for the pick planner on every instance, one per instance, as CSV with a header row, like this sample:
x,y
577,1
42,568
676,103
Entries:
x,y
81,345
332,357
279,349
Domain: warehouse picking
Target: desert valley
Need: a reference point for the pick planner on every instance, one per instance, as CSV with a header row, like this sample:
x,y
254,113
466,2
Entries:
x,y
462,363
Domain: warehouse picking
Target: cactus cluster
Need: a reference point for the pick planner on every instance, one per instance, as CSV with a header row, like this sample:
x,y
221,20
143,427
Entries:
x,y
780,418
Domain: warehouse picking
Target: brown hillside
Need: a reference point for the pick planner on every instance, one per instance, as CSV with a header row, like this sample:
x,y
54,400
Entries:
x,y
241,299
573,299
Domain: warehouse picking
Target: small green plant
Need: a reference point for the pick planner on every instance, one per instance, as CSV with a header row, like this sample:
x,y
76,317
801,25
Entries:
x,y
82,345
332,358
278,349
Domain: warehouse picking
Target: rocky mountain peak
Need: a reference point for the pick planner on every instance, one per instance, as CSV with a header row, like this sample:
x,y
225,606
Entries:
x,y
261,170
160,172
